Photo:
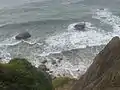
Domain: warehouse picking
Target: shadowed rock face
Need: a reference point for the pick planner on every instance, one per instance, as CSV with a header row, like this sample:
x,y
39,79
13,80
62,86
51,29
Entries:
x,y
104,73
23,35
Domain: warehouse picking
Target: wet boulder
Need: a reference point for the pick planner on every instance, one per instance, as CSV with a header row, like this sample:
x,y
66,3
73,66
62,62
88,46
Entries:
x,y
80,27
43,67
44,61
23,35
53,62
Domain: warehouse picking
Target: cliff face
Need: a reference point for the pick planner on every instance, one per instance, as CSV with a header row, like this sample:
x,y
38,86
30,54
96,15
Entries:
x,y
104,73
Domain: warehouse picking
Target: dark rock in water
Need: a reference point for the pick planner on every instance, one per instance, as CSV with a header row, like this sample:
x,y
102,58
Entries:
x,y
56,65
44,61
50,71
102,9
59,59
80,27
24,35
43,67
54,62
104,73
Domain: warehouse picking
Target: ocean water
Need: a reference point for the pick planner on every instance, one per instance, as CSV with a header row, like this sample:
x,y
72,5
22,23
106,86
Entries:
x,y
51,24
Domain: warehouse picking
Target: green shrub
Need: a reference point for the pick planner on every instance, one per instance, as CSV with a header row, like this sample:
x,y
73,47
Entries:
x,y
19,74
60,81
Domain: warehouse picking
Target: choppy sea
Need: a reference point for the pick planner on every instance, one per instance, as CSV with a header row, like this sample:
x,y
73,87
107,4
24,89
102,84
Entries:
x,y
51,24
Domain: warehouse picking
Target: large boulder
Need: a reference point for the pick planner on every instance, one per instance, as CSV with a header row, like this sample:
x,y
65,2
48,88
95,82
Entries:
x,y
104,73
80,27
19,74
23,35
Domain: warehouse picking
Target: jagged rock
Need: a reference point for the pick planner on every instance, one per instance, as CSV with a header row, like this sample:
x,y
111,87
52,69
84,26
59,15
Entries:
x,y
23,35
54,62
50,71
80,27
59,59
104,73
43,67
44,61
102,9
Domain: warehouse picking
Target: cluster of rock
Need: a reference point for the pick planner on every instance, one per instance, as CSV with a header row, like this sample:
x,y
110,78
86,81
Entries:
x,y
25,35
44,67
104,73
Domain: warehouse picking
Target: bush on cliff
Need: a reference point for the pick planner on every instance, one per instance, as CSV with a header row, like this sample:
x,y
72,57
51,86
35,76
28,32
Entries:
x,y
60,81
63,83
19,74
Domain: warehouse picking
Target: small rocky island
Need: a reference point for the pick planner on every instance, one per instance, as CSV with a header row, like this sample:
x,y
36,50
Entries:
x,y
23,35
80,26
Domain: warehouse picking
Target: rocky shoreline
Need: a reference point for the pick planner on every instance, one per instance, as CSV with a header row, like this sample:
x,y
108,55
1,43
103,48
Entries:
x,y
72,63
103,73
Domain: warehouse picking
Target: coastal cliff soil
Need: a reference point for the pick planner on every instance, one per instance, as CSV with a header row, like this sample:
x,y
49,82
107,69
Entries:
x,y
104,73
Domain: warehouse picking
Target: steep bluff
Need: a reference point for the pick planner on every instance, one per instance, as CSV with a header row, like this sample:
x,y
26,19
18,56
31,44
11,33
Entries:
x,y
104,72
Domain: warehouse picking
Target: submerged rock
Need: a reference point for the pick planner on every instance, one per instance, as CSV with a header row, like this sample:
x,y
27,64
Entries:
x,y
104,73
44,61
23,35
53,62
19,74
43,67
80,27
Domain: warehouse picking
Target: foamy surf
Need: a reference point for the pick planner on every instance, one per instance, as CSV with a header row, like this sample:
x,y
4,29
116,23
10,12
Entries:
x,y
63,44
105,16
65,68
5,57
72,39
9,42
73,62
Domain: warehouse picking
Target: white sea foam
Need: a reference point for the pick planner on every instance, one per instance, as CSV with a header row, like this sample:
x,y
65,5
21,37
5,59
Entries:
x,y
70,39
105,16
5,56
91,37
65,68
9,42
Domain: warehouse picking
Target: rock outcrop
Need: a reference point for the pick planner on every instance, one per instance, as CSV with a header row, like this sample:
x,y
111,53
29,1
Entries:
x,y
80,27
23,35
104,73
19,74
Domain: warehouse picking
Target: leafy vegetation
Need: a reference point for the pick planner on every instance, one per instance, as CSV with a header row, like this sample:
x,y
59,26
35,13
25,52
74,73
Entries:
x,y
60,81
19,74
